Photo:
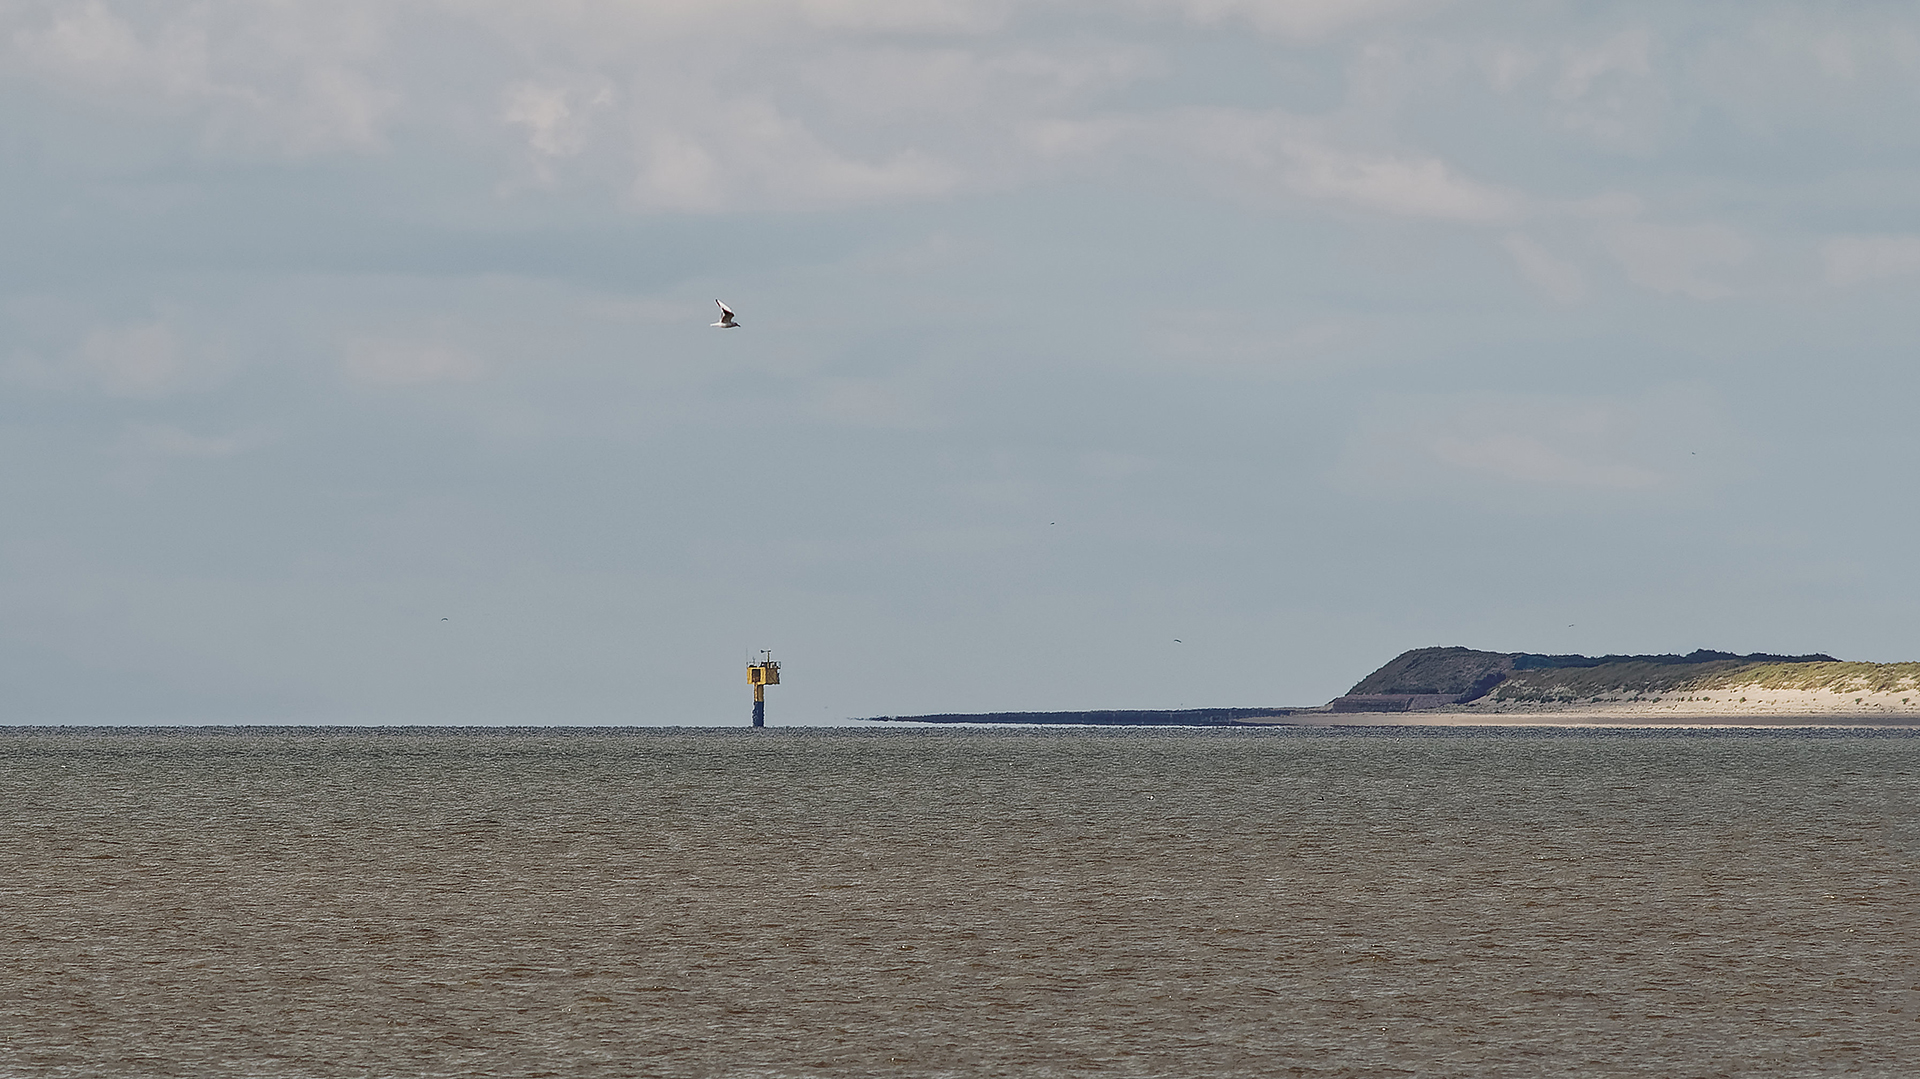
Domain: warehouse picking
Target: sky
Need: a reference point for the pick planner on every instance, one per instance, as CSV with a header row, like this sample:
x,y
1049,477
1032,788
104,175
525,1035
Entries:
x,y
355,363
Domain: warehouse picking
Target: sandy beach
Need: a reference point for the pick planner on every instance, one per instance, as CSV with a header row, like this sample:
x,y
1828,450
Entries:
x,y
1739,706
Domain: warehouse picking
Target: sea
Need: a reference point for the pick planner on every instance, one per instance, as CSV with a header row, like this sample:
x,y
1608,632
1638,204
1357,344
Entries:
x,y
1485,902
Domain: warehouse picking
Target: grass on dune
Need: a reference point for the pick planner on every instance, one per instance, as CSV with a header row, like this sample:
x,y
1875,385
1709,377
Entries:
x,y
1619,681
1837,677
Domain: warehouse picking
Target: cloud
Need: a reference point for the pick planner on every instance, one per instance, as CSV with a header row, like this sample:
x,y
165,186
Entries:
x,y
1233,342
1110,466
1299,20
760,105
961,83
1529,459
1461,446
738,105
1611,93
1624,54
1677,259
134,360
1273,155
1851,260
388,362
913,16
556,117
163,440
752,154
869,403
146,451
287,76
89,45
1551,274
1403,186
1841,72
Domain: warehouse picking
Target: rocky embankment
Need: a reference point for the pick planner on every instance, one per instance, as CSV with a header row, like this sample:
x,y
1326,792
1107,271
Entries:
x,y
1452,683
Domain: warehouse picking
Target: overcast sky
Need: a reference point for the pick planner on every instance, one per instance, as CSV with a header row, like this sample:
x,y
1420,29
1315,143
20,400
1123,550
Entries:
x,y
355,367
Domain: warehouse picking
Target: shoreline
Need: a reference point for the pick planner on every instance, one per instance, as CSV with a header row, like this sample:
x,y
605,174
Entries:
x,y
1743,706
1739,706
1451,717
1592,720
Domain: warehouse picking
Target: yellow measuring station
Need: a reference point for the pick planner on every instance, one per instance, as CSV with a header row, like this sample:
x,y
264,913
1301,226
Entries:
x,y
762,674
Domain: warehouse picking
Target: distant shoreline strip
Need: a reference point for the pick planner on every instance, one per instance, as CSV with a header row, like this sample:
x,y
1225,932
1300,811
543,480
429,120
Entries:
x,y
1127,717
1323,718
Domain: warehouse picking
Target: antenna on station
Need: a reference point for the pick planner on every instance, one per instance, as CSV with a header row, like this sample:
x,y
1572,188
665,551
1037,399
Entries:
x,y
761,675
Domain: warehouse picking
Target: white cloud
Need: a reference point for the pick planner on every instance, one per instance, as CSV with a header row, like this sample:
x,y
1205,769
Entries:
x,y
134,360
964,83
1678,259
1272,155
165,440
90,45
285,75
678,173
1054,139
752,154
1302,20
1403,186
1507,66
1546,271
1530,459
756,105
1610,92
869,403
1851,260
1454,444
738,104
1241,343
913,16
1844,71
401,362
556,117
1628,54
1111,466
331,107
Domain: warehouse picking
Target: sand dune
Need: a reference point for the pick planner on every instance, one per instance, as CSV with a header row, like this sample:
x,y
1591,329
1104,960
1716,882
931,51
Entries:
x,y
1737,706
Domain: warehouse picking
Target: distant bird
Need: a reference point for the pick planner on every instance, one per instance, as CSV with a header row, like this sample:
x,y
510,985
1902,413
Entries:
x,y
443,620
1176,640
726,318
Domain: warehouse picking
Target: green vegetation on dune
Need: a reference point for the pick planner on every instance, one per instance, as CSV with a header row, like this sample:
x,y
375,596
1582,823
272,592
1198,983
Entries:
x,y
1611,680
1438,670
1837,677
1618,681
1522,677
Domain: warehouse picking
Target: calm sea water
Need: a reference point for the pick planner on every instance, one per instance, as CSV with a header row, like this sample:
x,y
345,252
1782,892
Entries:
x,y
958,902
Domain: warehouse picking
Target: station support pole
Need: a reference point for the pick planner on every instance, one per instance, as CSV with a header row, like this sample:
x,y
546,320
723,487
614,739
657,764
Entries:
x,y
762,674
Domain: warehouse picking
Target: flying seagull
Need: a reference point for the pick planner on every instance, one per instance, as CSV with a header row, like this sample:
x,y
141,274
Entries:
x,y
726,318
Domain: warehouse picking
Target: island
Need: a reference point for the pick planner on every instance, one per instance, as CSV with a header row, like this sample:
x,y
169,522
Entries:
x,y
1455,685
